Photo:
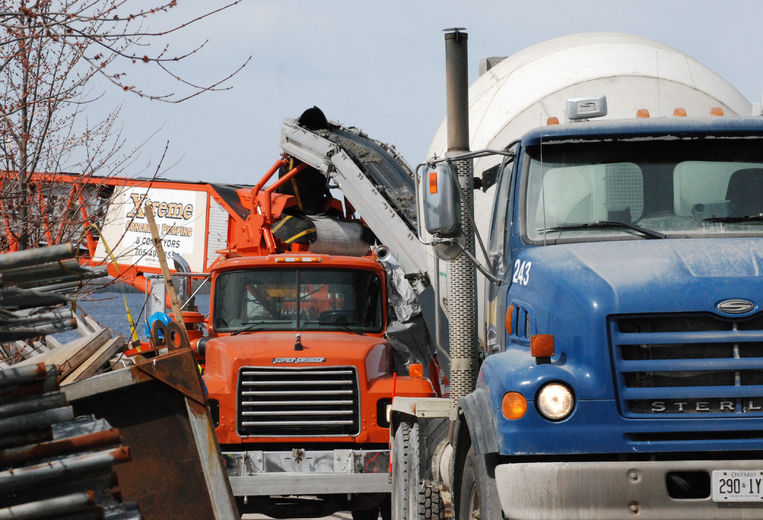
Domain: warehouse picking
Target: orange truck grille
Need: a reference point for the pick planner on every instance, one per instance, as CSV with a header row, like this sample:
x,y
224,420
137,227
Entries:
x,y
299,401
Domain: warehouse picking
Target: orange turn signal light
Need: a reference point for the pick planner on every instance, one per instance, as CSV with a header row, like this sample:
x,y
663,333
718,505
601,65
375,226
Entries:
x,y
513,405
642,112
679,112
510,320
433,182
716,111
542,345
295,259
552,120
416,370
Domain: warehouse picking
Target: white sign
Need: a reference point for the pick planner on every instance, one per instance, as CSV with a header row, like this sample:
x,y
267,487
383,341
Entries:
x,y
181,216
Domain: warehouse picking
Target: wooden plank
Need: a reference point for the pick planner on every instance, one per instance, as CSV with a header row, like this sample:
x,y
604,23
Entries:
x,y
39,346
94,325
72,362
90,366
72,354
83,327
50,356
52,342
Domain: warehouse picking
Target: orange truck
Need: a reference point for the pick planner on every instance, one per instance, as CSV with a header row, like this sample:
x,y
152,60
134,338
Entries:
x,y
300,378
299,358
297,364
298,368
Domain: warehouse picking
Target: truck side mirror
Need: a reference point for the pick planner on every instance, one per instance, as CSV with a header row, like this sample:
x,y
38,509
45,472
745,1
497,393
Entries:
x,y
442,210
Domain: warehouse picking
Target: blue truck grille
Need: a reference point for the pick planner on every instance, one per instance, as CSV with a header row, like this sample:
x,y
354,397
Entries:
x,y
693,365
303,402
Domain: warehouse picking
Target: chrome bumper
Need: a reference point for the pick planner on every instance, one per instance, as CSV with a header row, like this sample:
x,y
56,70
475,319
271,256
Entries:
x,y
308,472
611,491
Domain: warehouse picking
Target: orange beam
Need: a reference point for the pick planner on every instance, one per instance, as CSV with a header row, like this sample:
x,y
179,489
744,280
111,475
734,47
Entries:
x,y
63,214
266,177
45,218
86,222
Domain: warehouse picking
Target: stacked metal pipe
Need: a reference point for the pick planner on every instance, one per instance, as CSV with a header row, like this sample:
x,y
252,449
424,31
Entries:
x,y
53,465
35,287
33,283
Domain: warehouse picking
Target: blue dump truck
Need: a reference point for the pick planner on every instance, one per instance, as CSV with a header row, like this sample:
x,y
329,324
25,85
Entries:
x,y
622,372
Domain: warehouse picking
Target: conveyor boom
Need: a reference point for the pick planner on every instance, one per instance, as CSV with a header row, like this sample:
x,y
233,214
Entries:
x,y
376,181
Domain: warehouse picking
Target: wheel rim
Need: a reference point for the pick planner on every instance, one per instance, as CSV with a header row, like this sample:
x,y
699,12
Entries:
x,y
474,502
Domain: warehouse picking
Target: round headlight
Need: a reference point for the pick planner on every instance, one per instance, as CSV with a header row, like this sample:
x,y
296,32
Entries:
x,y
555,401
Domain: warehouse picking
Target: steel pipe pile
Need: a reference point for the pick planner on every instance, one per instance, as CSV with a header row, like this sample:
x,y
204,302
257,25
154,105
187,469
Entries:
x,y
33,281
51,463
37,287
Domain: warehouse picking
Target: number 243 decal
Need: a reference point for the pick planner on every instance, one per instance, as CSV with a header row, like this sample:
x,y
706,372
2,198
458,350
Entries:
x,y
521,272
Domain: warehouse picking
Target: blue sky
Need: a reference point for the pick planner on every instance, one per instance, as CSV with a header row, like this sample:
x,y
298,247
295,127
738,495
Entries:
x,y
380,66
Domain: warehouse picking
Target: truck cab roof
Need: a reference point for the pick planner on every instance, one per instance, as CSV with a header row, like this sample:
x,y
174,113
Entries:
x,y
302,259
627,129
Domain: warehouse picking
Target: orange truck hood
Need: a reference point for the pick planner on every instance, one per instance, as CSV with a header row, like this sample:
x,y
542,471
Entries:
x,y
277,348
369,354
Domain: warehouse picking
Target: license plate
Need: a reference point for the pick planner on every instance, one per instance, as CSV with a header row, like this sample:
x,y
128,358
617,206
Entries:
x,y
737,485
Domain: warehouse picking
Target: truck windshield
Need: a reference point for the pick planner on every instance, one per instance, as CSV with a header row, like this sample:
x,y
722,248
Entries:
x,y
298,299
643,189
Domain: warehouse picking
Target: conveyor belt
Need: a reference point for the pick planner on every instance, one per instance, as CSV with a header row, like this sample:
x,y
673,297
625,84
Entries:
x,y
373,177
389,173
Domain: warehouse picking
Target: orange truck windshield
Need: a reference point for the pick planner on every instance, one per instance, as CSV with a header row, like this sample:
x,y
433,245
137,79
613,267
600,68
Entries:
x,y
298,299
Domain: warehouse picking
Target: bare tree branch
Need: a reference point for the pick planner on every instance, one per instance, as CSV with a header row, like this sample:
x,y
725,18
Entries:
x,y
50,53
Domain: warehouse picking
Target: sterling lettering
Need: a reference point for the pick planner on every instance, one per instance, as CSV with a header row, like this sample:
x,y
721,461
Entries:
x,y
173,210
707,406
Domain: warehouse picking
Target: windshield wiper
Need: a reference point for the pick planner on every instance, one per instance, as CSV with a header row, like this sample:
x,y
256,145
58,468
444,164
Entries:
x,y
250,328
342,326
600,224
745,218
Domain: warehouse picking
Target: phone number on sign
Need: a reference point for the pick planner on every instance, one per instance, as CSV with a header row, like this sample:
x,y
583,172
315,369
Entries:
x,y
151,253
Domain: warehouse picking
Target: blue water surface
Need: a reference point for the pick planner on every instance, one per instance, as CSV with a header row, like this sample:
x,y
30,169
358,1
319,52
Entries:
x,y
108,308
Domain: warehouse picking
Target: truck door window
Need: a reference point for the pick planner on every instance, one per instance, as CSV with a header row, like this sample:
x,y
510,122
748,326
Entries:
x,y
498,227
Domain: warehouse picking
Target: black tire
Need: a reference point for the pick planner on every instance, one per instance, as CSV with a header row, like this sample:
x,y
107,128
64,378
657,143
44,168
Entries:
x,y
424,501
477,494
401,471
